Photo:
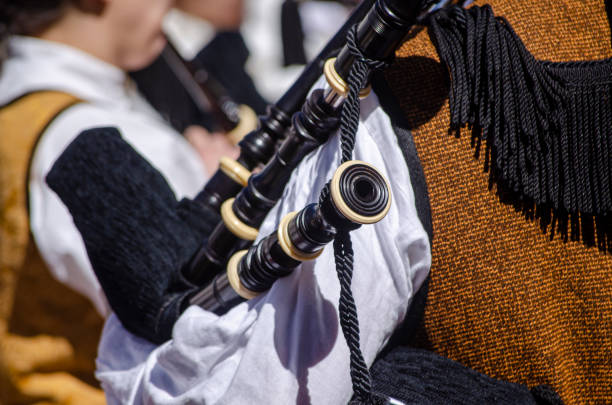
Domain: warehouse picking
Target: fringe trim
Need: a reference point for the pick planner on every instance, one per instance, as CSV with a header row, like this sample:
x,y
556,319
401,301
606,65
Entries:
x,y
547,126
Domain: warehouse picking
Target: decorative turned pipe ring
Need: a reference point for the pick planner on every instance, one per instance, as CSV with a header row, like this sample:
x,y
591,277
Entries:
x,y
234,170
337,83
247,122
234,224
284,240
360,192
234,278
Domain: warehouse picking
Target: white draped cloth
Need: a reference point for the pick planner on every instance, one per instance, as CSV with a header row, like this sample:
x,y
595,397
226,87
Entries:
x,y
286,346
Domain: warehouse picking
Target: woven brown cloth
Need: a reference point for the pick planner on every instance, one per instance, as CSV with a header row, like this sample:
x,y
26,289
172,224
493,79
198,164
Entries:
x,y
504,298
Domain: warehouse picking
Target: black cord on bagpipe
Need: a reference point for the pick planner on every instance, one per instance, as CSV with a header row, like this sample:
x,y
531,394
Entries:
x,y
343,247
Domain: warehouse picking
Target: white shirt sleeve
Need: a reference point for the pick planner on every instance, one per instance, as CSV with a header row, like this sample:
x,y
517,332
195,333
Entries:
x,y
55,234
286,346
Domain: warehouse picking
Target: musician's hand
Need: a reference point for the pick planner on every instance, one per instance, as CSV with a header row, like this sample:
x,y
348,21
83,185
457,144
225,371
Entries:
x,y
210,146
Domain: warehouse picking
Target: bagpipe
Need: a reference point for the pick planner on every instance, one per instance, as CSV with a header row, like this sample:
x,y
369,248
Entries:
x,y
358,195
147,249
373,41
193,272
542,127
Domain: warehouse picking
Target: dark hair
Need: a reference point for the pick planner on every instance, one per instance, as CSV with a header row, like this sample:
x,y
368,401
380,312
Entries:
x,y
26,17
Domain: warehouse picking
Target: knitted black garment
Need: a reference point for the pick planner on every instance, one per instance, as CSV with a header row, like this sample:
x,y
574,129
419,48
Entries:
x,y
417,376
546,126
138,237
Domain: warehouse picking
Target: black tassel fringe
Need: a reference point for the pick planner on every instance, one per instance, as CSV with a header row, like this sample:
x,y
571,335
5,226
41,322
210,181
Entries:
x,y
546,127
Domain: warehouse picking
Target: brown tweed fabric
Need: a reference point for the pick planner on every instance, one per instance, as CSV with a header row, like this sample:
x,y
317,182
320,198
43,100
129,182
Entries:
x,y
504,298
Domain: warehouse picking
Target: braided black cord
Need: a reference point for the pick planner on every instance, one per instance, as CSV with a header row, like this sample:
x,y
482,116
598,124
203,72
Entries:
x,y
343,249
357,79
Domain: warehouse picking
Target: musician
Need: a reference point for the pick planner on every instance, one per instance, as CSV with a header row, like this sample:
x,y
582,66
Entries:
x,y
283,346
64,71
511,294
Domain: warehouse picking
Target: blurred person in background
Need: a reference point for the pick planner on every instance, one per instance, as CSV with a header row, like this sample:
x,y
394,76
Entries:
x,y
283,35
63,70
200,78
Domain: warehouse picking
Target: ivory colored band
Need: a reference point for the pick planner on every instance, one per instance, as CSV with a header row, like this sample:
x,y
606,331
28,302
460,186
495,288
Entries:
x,y
234,170
236,226
285,242
337,83
341,205
247,122
234,279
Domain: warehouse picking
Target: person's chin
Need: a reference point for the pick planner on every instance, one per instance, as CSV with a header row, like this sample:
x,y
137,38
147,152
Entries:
x,y
153,51
157,46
